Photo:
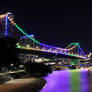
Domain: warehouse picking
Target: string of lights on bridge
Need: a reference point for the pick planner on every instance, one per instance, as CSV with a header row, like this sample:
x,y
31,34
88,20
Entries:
x,y
44,47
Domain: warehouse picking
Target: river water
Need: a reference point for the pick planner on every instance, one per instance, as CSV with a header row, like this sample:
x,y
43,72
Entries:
x,y
68,81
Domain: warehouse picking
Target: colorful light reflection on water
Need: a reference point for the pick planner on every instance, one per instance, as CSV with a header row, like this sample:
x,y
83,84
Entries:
x,y
67,81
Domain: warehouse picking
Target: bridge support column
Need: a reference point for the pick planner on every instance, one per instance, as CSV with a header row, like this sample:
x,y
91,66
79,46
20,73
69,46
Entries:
x,y
6,21
77,61
71,62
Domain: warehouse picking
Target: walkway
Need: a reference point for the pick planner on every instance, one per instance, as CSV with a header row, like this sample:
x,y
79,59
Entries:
x,y
23,85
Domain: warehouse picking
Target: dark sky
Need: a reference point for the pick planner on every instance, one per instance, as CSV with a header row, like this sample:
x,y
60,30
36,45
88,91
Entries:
x,y
54,23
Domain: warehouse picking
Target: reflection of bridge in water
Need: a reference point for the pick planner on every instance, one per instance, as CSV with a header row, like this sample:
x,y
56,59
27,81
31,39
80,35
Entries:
x,y
69,81
30,45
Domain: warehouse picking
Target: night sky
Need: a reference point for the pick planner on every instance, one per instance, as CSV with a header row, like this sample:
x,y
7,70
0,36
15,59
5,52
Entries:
x,y
54,23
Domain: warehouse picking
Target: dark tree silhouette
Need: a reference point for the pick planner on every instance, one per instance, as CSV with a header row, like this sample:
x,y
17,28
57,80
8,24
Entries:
x,y
8,51
37,68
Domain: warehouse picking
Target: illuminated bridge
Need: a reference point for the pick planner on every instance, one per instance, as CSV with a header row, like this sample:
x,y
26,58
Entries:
x,y
11,28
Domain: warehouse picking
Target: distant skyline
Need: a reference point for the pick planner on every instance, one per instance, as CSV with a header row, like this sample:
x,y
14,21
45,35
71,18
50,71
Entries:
x,y
54,23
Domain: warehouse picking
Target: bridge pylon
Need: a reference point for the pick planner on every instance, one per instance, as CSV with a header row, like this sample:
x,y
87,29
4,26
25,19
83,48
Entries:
x,y
75,62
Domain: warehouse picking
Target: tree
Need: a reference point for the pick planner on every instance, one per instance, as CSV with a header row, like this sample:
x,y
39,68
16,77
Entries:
x,y
8,51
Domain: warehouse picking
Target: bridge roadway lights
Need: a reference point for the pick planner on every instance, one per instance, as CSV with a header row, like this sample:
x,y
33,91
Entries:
x,y
40,52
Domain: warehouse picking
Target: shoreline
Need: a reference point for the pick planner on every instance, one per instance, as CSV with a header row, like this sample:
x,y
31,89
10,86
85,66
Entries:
x,y
33,84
